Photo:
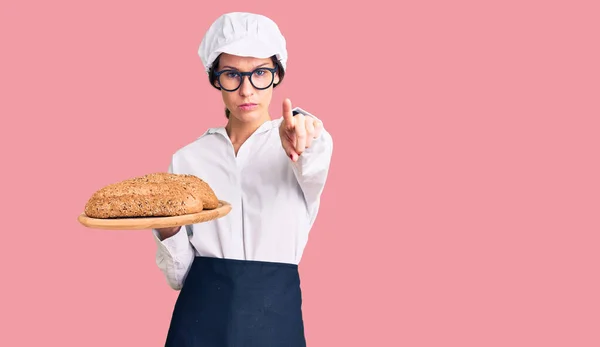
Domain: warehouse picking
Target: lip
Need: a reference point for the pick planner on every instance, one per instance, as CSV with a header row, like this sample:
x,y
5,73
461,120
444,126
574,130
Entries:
x,y
247,106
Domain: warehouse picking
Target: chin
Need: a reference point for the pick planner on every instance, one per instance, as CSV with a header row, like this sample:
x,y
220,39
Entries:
x,y
248,116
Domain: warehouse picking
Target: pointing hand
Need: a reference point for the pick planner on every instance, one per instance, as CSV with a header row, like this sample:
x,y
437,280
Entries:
x,y
297,132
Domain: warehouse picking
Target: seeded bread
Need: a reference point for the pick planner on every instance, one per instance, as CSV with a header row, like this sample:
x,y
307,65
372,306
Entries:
x,y
152,195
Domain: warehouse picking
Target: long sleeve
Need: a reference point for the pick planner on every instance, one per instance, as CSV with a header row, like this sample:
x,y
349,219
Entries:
x,y
312,168
175,254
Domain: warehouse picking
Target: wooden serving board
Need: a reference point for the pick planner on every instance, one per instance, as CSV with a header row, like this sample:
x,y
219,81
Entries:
x,y
155,222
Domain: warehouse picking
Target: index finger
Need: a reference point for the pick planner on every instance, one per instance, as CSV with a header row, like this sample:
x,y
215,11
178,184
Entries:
x,y
288,117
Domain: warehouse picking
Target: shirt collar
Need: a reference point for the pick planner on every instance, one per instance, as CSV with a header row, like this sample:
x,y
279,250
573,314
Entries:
x,y
266,126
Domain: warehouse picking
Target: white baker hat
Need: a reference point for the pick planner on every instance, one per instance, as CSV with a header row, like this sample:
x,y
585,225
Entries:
x,y
244,34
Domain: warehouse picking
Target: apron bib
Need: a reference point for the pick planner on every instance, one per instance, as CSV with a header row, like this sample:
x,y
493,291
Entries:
x,y
227,303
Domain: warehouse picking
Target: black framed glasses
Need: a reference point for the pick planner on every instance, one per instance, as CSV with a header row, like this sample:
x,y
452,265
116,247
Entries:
x,y
260,78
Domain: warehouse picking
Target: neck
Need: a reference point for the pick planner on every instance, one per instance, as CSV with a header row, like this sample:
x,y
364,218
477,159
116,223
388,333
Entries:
x,y
239,132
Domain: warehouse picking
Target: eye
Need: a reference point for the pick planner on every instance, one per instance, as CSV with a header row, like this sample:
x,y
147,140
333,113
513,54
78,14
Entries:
x,y
232,74
260,72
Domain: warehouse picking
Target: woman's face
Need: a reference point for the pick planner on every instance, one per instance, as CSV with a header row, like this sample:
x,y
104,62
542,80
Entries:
x,y
246,104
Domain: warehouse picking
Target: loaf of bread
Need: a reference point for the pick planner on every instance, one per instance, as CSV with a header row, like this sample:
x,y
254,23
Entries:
x,y
152,195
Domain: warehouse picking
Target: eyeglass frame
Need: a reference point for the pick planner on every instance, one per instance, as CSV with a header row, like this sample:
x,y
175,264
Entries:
x,y
249,74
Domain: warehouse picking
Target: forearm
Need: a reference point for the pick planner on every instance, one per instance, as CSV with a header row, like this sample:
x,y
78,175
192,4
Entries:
x,y
312,169
174,255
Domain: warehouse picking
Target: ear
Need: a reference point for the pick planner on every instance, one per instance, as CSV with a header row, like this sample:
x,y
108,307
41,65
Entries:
x,y
276,80
216,83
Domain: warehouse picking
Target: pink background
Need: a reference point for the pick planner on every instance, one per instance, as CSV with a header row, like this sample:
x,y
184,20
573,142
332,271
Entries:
x,y
463,202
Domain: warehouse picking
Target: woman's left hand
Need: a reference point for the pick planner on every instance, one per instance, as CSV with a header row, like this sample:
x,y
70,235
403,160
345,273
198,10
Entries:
x,y
297,132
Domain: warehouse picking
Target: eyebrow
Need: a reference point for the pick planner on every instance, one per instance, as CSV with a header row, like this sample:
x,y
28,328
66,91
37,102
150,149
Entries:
x,y
234,68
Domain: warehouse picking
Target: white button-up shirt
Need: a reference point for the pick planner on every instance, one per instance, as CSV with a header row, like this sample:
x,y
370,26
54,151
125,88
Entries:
x,y
274,200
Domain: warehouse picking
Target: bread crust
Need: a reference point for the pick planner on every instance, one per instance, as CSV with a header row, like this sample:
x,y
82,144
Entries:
x,y
152,195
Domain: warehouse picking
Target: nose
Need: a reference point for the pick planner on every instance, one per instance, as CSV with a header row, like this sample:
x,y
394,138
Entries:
x,y
246,89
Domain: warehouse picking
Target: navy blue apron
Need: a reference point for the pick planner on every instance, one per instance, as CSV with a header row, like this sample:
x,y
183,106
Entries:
x,y
227,303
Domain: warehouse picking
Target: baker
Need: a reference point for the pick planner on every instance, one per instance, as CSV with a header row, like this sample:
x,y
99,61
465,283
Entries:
x,y
238,275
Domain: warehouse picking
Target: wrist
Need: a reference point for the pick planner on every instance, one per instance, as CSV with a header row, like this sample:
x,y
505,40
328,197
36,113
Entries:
x,y
165,233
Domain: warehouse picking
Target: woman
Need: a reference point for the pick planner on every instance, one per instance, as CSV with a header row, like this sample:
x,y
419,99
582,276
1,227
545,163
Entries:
x,y
238,275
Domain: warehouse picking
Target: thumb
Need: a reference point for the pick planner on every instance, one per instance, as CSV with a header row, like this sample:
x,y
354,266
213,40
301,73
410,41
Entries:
x,y
289,147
